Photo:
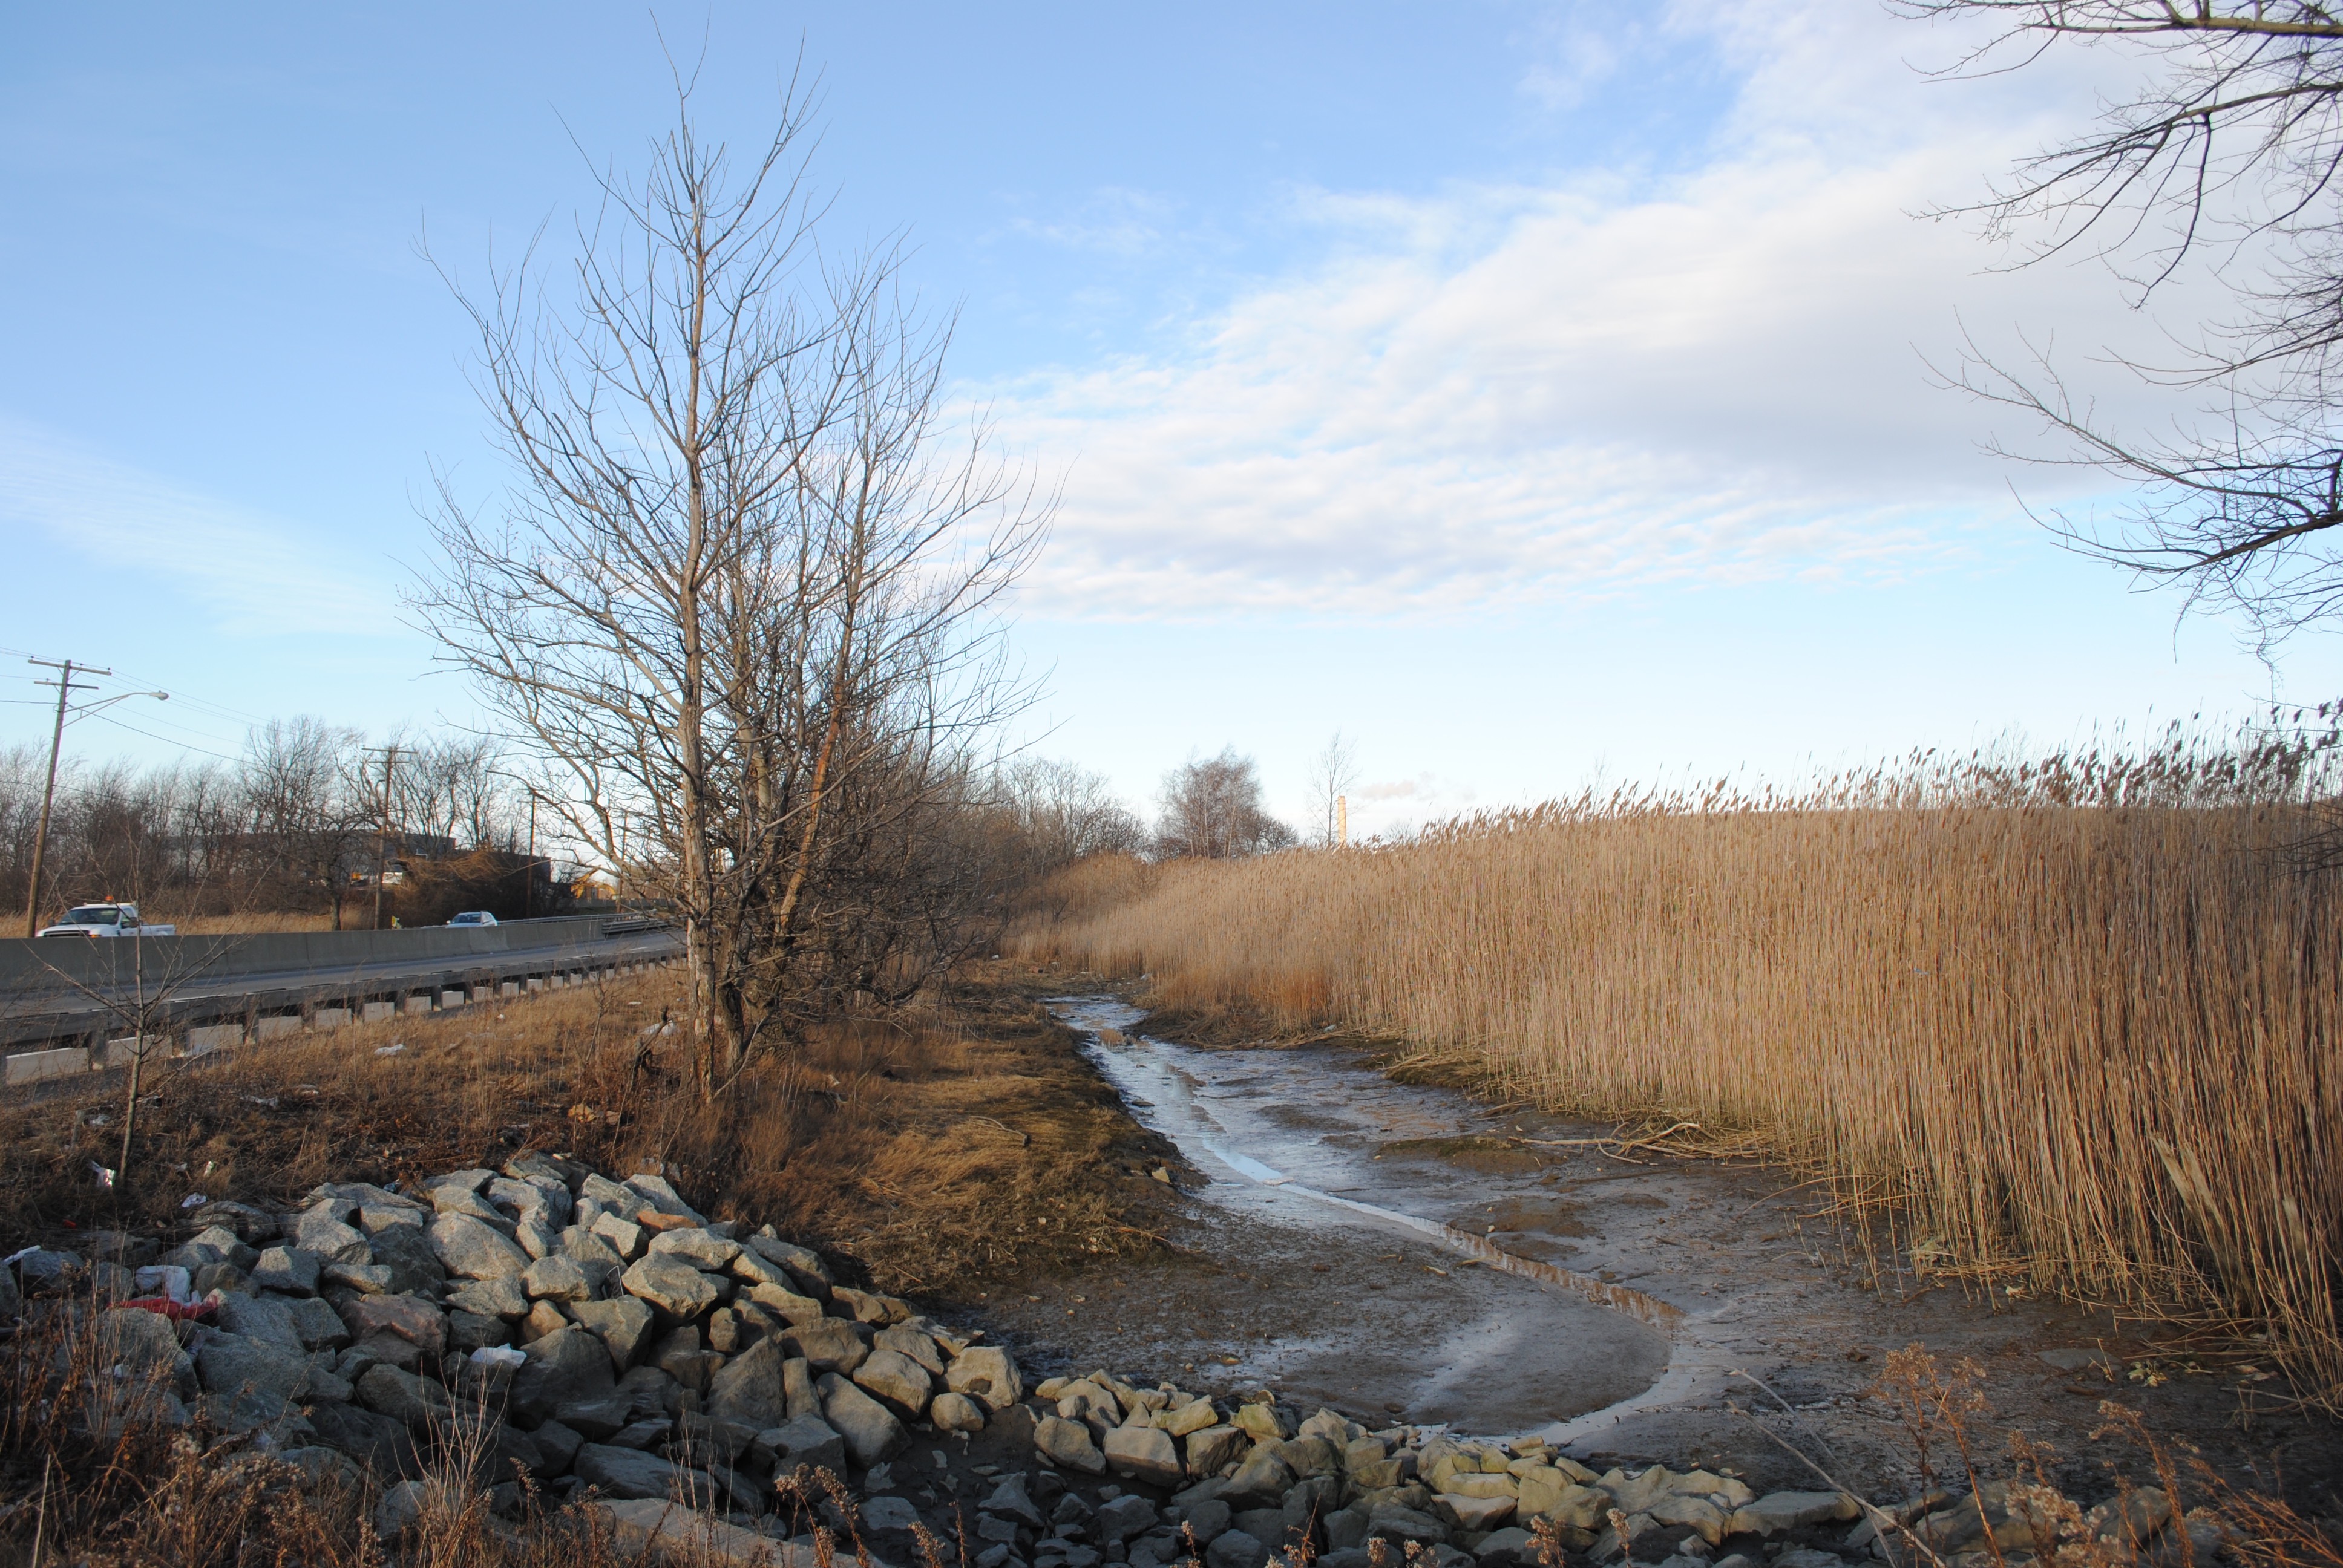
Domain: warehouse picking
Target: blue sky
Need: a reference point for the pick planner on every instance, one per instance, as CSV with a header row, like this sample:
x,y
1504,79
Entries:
x,y
1531,393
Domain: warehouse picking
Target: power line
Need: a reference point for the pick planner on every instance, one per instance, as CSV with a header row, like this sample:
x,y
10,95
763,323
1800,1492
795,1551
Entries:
x,y
106,718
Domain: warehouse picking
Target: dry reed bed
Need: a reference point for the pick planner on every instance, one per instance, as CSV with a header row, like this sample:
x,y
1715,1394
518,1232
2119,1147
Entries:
x,y
2086,1048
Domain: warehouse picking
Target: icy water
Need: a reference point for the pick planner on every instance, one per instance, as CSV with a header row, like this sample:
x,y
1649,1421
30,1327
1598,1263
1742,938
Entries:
x,y
1303,1140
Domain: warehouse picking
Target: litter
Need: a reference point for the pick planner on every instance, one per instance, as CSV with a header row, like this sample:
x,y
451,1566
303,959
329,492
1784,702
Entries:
x,y
391,1049
499,1356
178,1311
265,1102
193,1200
105,1174
170,1278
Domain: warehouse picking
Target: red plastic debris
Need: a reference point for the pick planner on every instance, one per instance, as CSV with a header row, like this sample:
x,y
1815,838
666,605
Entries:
x,y
176,1310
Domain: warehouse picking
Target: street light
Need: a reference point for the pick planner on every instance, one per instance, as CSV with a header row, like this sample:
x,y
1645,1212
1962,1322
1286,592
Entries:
x,y
65,685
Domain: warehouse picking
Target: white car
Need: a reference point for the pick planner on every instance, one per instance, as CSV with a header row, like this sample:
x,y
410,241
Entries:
x,y
474,918
106,921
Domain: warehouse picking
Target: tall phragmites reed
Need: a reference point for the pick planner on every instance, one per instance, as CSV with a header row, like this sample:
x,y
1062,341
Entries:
x,y
2077,1018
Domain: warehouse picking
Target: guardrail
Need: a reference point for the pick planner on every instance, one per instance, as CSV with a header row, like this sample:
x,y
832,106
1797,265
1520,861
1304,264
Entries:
x,y
104,962
205,992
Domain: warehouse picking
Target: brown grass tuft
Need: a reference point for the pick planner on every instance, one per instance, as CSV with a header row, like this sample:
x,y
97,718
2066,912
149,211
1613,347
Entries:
x,y
970,1141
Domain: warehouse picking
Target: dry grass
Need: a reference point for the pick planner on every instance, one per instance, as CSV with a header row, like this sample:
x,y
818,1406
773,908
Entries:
x,y
92,1473
259,923
2076,1023
968,1143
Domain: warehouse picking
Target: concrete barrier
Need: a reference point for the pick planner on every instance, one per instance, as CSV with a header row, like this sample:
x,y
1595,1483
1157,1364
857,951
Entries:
x,y
376,1011
329,1018
452,998
206,1038
124,1051
32,1066
30,963
276,1025
509,988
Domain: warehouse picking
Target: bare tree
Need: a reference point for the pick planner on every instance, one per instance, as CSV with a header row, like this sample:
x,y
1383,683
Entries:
x,y
450,788
1066,812
306,811
739,576
2229,158
1212,810
1333,774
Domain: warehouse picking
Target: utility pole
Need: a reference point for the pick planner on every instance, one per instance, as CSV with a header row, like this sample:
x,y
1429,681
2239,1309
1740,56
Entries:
x,y
382,829
529,875
1342,821
65,685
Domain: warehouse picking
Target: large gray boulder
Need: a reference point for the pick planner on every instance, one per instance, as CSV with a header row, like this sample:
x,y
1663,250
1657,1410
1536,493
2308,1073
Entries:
x,y
831,1345
406,1251
699,1247
1262,1475
417,1322
1144,1454
987,1374
629,1472
320,1327
1207,1520
1780,1510
231,1364
546,1202
452,1199
1235,1549
871,1430
263,1318
498,1297
797,1381
670,1285
287,1269
623,1326
749,1388
793,1308
320,1233
660,1194
469,1248
143,1345
1067,1443
1120,1518
568,1366
413,1402
1011,1500
556,1279
376,1442
955,1412
895,1378
805,1440
910,1341
802,1261
1214,1446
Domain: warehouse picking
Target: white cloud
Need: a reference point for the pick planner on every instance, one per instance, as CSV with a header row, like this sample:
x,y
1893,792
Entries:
x,y
259,575
1502,396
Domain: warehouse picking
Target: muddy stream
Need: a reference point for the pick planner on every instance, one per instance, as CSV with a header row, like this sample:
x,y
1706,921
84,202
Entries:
x,y
1408,1252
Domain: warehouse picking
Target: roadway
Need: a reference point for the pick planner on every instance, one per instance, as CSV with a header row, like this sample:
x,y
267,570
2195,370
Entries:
x,y
211,991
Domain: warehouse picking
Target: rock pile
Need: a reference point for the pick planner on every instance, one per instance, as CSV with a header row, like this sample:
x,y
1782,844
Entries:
x,y
592,1332
1256,1482
602,1334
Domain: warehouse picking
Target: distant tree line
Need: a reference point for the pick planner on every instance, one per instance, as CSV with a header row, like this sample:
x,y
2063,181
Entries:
x,y
295,824
292,826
